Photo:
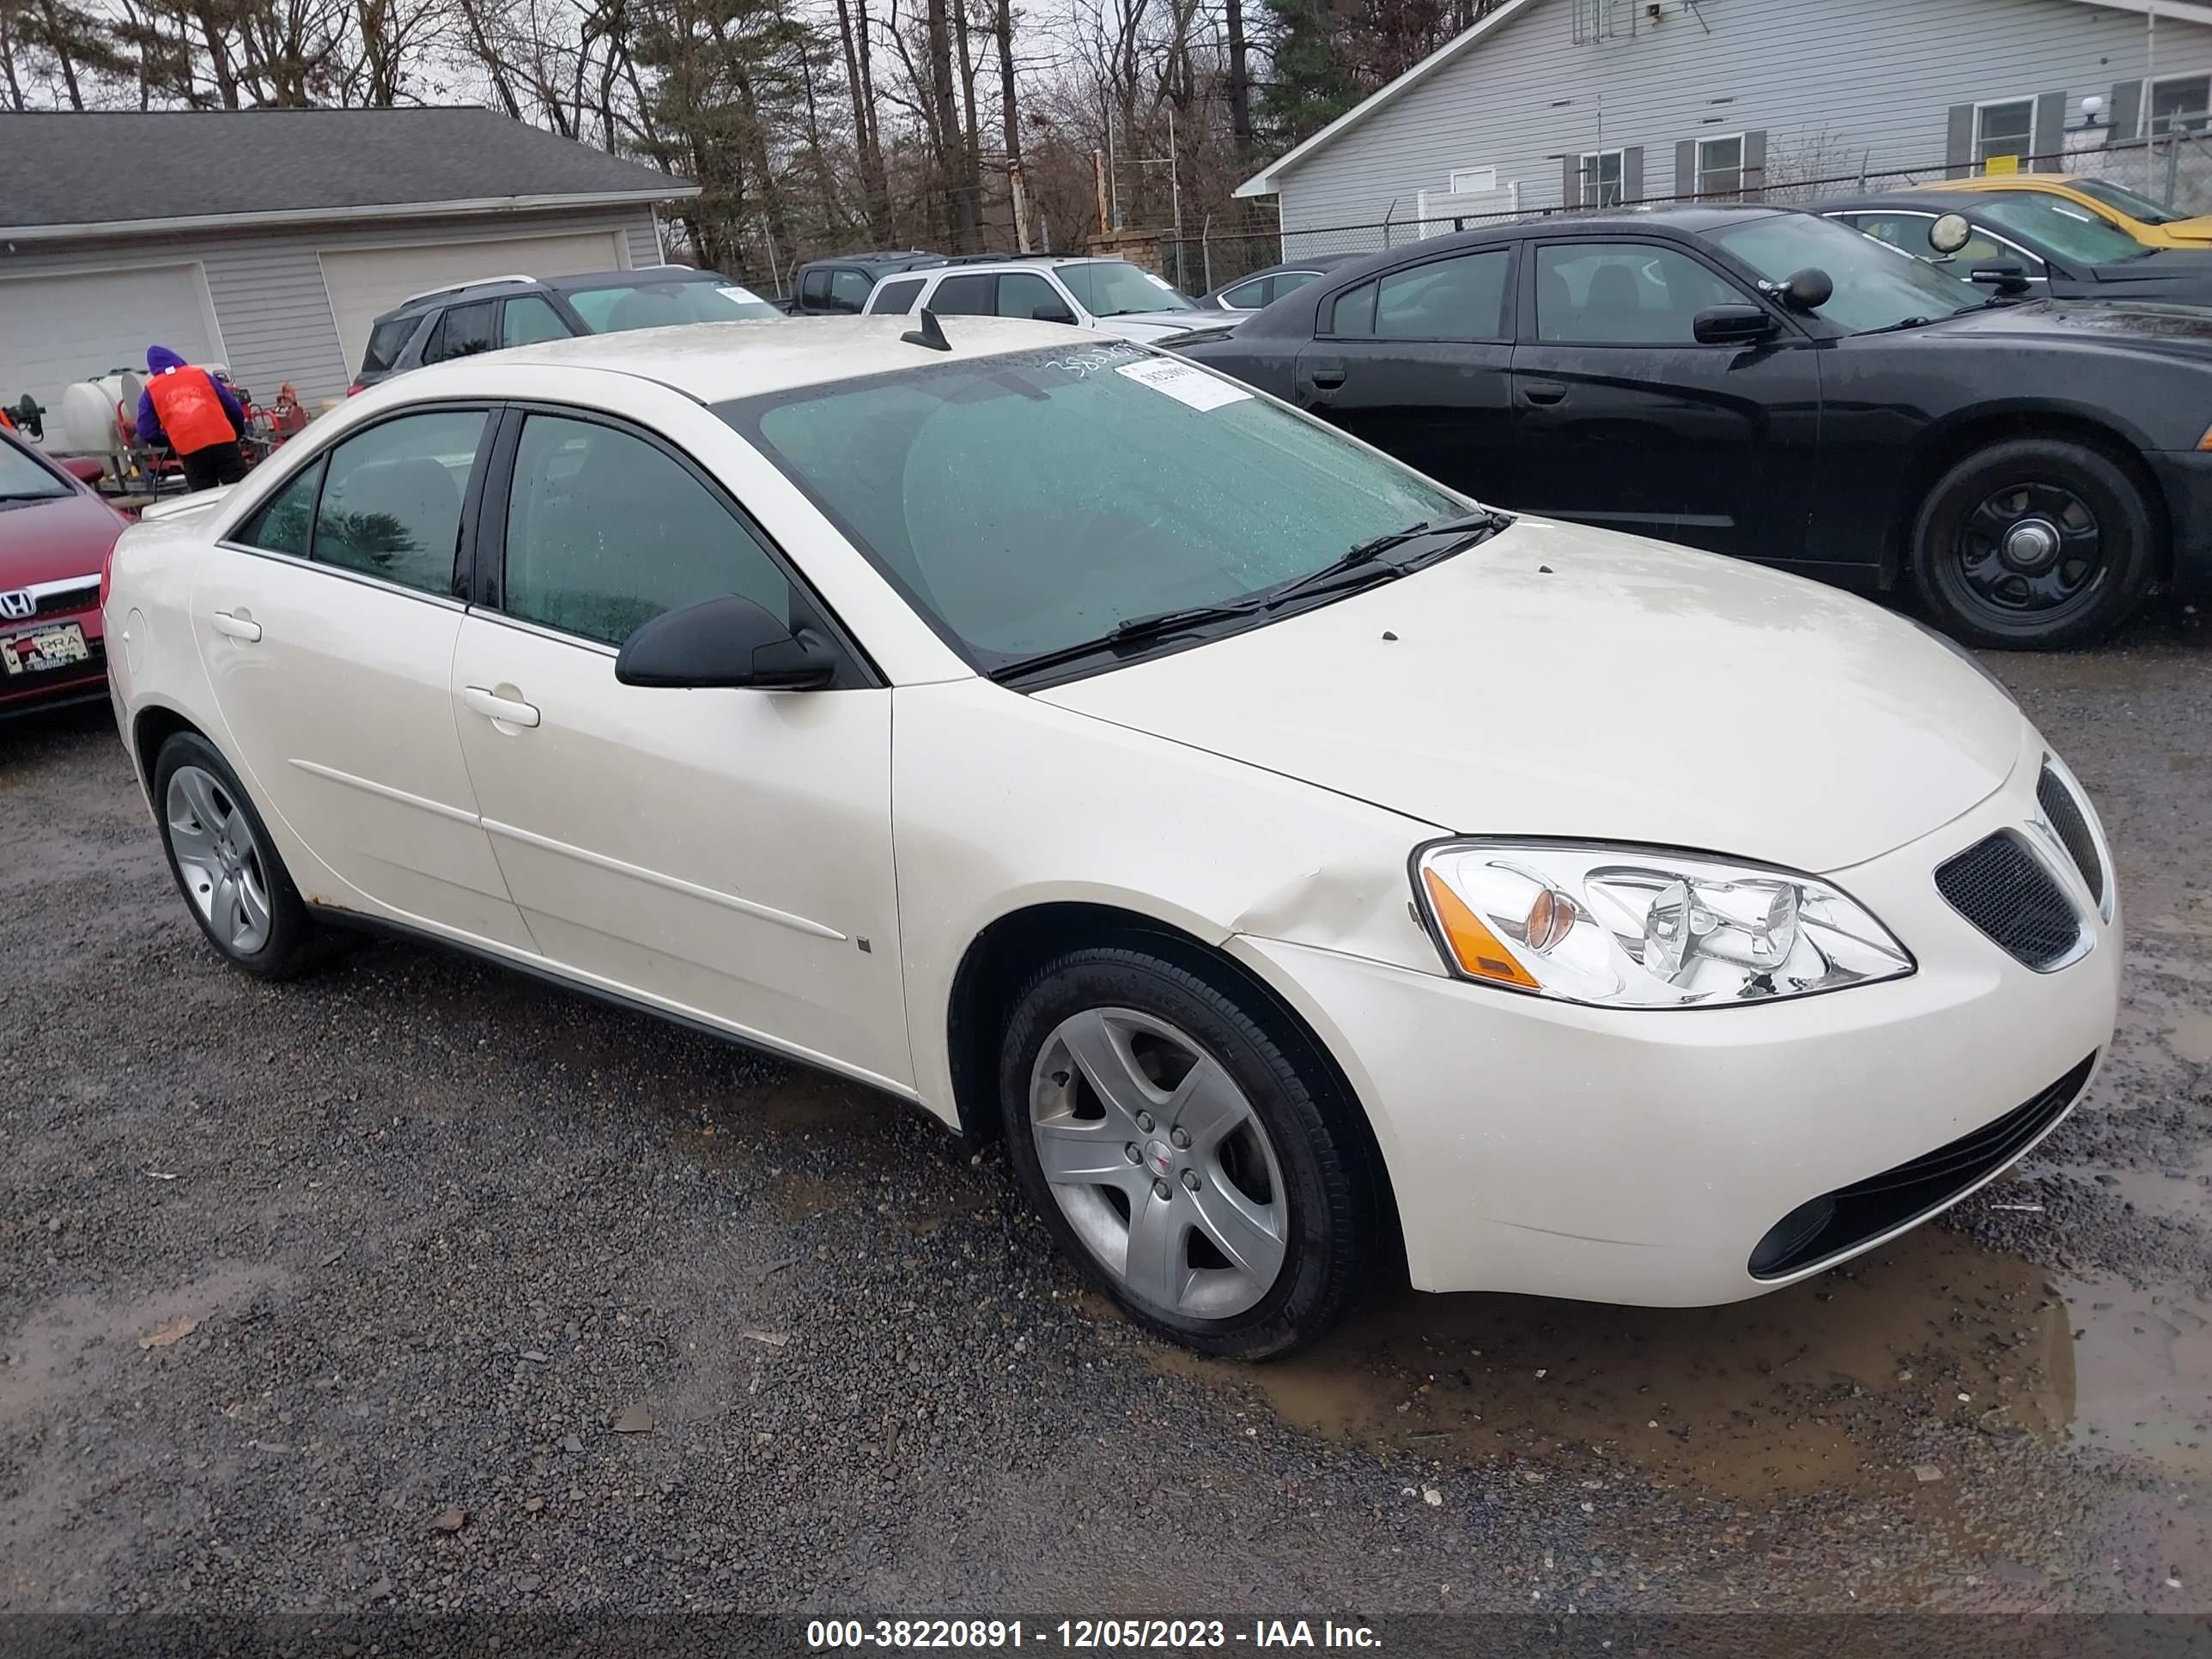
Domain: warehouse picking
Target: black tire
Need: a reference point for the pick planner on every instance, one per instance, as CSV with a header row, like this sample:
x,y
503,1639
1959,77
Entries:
x,y
2103,555
291,944
1329,1183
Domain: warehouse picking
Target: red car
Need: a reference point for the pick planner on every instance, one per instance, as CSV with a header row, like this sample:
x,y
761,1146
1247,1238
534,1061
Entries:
x,y
55,536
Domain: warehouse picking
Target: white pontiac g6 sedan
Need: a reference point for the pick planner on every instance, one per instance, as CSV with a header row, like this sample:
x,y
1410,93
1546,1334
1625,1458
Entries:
x,y
1313,874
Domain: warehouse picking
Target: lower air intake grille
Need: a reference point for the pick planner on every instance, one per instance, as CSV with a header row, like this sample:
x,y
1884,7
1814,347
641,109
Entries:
x,y
1836,1222
2005,890
2072,823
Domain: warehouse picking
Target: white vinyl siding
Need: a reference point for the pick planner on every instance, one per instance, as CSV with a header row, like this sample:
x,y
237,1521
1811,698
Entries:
x,y
1836,87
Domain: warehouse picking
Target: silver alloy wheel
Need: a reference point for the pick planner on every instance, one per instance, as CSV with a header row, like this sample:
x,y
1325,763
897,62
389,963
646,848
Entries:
x,y
215,848
1159,1163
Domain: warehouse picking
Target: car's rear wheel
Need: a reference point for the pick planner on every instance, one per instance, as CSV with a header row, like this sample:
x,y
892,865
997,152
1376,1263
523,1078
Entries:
x,y
226,866
2035,543
1216,1186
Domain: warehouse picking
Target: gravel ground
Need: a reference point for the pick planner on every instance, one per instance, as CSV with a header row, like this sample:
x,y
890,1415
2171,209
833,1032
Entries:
x,y
421,1286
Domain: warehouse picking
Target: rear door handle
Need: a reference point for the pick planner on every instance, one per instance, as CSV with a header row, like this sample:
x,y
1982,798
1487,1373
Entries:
x,y
238,628
506,710
1543,393
1328,380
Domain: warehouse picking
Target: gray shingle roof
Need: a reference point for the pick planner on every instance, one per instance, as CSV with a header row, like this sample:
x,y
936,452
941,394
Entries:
x,y
108,166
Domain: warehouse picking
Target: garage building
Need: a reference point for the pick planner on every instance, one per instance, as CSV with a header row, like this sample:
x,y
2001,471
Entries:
x,y
269,239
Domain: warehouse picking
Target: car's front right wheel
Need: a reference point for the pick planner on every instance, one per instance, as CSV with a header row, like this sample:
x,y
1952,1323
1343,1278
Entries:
x,y
1188,1151
2035,543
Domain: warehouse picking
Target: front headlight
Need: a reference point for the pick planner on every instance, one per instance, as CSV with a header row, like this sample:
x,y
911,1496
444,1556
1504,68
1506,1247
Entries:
x,y
1642,927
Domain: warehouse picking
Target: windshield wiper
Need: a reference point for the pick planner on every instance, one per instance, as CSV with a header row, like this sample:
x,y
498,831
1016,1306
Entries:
x,y
1473,525
33,494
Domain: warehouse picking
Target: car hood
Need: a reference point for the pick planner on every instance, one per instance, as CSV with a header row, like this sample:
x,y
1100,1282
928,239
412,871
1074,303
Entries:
x,y
2182,266
2158,325
1565,681
1152,325
49,541
2197,230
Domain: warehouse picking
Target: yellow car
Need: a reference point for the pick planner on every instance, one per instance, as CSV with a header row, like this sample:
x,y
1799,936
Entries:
x,y
2147,222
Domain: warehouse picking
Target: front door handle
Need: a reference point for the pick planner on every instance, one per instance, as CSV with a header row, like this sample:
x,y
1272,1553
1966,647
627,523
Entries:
x,y
237,628
1543,393
1328,380
506,710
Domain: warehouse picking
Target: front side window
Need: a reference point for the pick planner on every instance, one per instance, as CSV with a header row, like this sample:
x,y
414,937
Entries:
x,y
2133,204
1247,297
1623,294
464,331
606,532
1601,174
529,320
1910,231
1025,293
287,523
848,289
2004,130
895,299
1030,501
392,504
1461,298
1876,288
2181,104
1288,282
1115,287
1720,169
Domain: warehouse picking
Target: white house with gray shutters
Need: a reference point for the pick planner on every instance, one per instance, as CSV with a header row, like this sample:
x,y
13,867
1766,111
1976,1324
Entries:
x,y
269,240
1591,102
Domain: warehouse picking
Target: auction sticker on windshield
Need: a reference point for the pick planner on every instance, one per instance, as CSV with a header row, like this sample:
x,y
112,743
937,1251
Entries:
x,y
743,296
1183,383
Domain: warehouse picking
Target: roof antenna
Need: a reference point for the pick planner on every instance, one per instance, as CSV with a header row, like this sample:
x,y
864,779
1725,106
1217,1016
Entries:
x,y
930,334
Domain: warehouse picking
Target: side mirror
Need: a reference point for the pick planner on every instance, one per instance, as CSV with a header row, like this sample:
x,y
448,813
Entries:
x,y
1950,233
1051,313
2007,278
83,468
727,641
1808,289
1737,325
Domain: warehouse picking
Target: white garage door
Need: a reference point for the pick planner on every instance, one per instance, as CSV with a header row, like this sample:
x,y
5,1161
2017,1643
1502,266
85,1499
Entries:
x,y
364,282
55,331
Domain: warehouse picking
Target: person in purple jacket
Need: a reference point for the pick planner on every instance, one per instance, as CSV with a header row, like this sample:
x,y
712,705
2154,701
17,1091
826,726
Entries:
x,y
195,414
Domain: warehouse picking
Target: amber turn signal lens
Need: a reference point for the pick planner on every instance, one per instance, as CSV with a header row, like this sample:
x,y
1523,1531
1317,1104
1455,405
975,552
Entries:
x,y
2205,442
1473,946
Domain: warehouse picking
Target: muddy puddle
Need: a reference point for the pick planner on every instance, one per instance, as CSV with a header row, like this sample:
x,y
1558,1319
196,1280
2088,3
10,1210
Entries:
x,y
1822,1385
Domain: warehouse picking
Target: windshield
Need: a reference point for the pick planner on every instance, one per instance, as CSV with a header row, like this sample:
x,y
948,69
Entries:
x,y
23,479
1031,501
1876,286
2063,227
666,305
2132,202
1115,287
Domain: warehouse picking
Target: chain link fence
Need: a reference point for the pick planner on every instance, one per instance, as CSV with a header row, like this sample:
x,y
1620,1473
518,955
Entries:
x,y
2175,169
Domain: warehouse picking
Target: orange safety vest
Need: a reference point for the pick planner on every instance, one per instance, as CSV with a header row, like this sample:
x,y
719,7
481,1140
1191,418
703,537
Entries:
x,y
186,403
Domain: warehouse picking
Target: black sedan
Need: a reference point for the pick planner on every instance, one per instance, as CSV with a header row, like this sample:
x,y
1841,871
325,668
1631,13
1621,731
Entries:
x,y
1256,290
2022,243
1773,386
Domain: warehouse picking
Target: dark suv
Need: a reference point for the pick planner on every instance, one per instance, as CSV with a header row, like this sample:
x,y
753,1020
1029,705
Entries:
x,y
841,286
511,310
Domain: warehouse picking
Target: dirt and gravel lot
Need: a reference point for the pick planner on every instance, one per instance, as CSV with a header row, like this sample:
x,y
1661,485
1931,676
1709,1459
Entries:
x,y
421,1286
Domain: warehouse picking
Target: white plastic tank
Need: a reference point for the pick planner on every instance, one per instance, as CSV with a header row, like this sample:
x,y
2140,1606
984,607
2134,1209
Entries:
x,y
87,422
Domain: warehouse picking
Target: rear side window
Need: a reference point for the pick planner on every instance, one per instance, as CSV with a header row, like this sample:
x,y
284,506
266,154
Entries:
x,y
814,288
385,342
895,299
391,505
286,523
1456,299
463,331
1352,317
972,295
